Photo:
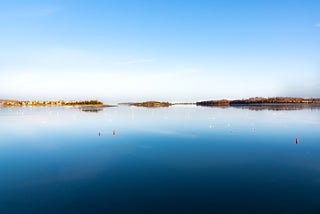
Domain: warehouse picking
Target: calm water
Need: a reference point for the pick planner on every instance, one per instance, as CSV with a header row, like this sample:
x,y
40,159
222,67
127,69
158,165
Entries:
x,y
181,159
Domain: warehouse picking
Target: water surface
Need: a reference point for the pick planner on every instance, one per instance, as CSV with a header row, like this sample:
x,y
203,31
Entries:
x,y
180,159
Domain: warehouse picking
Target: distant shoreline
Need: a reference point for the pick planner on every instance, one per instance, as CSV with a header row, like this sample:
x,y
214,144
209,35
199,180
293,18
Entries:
x,y
244,102
50,103
260,101
151,104
273,101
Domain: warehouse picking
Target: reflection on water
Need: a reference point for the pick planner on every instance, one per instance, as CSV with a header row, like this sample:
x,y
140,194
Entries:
x,y
180,159
272,107
96,110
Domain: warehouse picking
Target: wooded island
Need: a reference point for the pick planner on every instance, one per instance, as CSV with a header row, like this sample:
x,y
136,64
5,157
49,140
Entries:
x,y
49,103
260,101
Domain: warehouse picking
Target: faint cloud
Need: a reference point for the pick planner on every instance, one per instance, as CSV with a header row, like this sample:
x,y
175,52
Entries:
x,y
29,12
318,25
135,62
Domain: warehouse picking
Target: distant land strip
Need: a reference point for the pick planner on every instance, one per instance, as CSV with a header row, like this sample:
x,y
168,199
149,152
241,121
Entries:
x,y
151,104
223,102
259,101
51,103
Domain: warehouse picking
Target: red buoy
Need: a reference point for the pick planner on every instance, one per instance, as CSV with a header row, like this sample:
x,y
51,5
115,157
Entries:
x,y
99,133
114,132
297,141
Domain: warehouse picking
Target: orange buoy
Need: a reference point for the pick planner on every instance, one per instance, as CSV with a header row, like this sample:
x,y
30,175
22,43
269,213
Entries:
x,y
114,132
297,141
99,133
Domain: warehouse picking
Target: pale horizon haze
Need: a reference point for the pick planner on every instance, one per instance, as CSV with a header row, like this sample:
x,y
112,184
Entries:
x,y
167,50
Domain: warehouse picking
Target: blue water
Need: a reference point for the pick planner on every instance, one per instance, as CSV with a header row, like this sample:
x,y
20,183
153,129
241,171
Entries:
x,y
181,159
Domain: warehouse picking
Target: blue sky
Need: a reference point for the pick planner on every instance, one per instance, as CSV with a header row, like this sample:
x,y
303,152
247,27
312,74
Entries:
x,y
119,51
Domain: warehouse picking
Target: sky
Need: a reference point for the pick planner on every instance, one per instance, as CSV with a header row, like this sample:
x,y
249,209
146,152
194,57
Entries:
x,y
167,50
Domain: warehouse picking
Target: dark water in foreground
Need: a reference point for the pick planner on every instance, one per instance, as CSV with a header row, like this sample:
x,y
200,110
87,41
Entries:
x,y
181,159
